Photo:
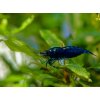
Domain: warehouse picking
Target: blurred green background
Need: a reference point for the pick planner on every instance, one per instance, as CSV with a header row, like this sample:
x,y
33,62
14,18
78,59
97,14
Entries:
x,y
23,36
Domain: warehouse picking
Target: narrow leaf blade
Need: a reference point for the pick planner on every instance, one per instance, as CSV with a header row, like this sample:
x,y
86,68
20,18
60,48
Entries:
x,y
79,70
50,38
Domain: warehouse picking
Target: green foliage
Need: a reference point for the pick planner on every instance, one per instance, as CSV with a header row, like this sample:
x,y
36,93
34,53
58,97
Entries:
x,y
28,34
79,70
23,25
18,46
51,39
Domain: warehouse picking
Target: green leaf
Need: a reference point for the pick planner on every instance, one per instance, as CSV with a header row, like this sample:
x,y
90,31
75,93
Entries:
x,y
3,27
2,38
95,66
51,38
19,46
13,78
79,70
4,23
23,25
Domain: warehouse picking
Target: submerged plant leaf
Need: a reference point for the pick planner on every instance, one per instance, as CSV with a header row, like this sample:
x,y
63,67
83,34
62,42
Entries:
x,y
19,46
23,25
79,70
51,39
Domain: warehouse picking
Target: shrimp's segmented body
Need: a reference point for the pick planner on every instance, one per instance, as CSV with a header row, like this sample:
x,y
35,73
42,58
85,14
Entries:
x,y
58,53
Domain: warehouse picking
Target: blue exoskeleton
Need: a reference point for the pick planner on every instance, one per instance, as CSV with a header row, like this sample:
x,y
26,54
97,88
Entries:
x,y
58,53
